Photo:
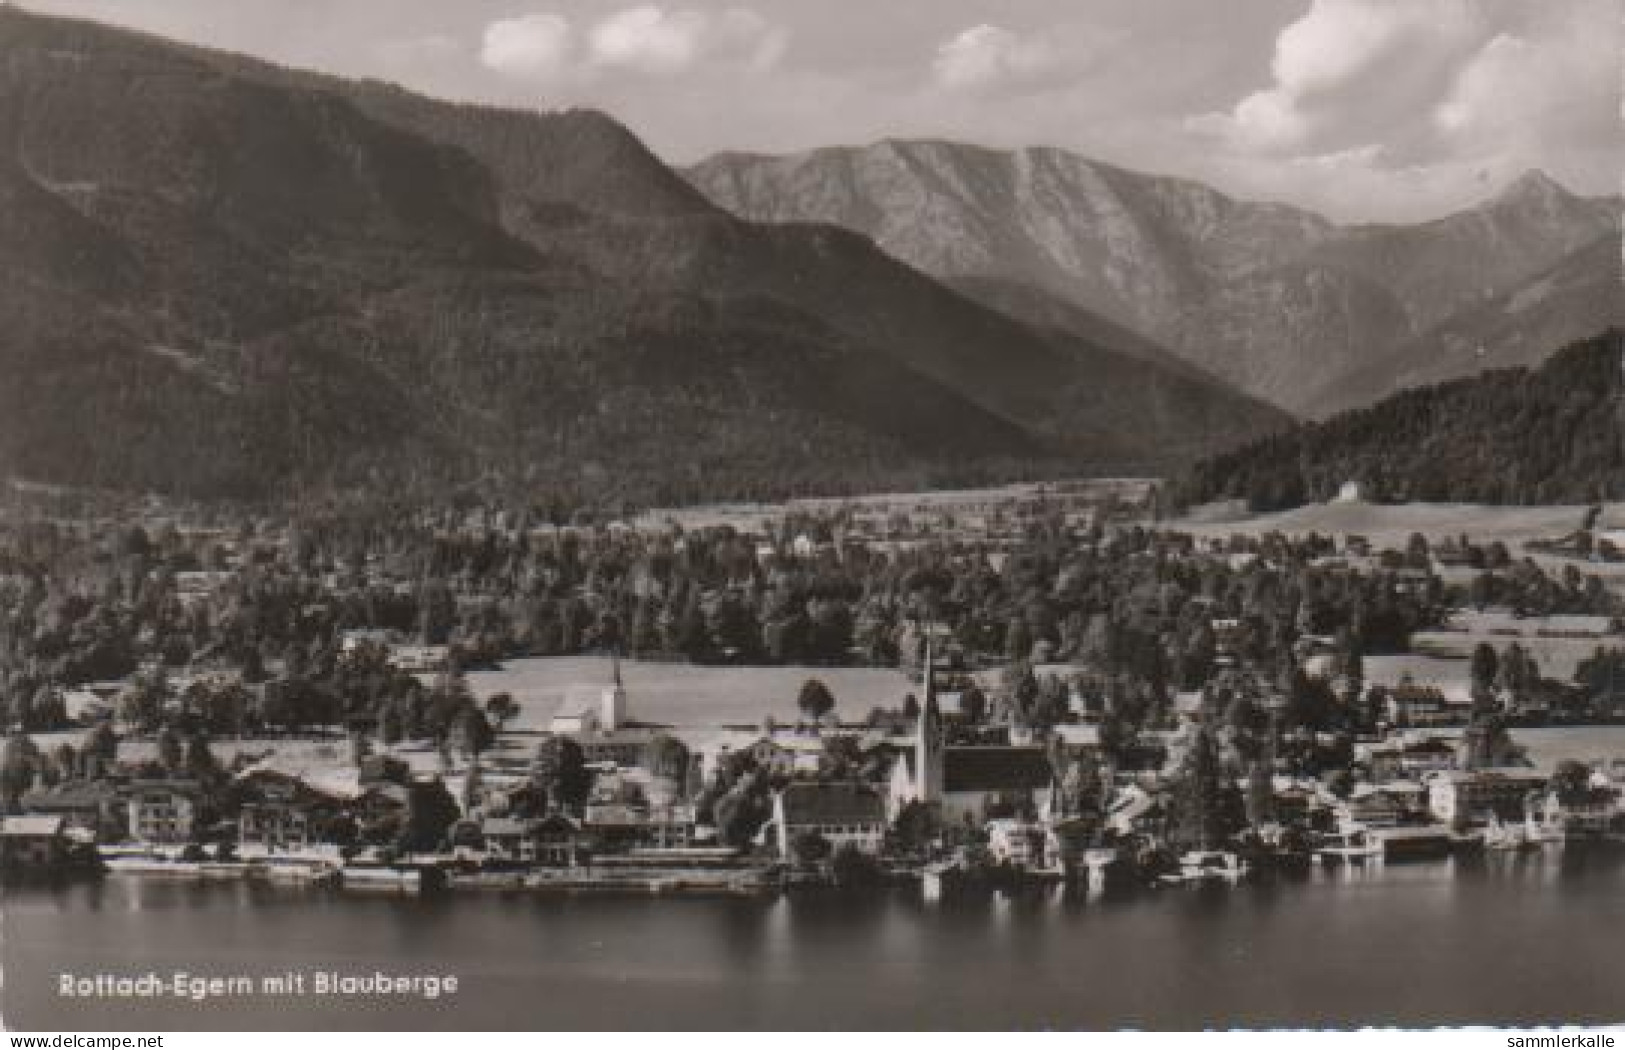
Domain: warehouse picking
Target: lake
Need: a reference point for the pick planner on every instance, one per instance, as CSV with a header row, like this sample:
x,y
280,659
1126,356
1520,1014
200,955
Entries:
x,y
1508,940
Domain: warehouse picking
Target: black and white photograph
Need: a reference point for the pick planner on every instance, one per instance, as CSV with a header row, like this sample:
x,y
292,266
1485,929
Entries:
x,y
809,516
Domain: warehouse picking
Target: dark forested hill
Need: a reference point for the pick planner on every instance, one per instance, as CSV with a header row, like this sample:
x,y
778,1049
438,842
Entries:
x,y
1553,434
220,277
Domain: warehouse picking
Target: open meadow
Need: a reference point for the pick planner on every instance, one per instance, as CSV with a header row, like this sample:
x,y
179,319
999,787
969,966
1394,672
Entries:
x,y
684,694
1391,526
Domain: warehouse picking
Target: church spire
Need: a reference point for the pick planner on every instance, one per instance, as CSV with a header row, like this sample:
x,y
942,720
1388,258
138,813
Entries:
x,y
928,733
928,678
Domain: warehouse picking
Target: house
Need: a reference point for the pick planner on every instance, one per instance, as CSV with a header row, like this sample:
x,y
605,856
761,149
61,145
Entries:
x,y
1386,806
1410,705
161,813
380,806
1025,844
624,748
773,757
92,806
32,843
281,813
554,841
843,814
1417,760
1589,816
420,659
272,827
1465,798
615,826
1077,738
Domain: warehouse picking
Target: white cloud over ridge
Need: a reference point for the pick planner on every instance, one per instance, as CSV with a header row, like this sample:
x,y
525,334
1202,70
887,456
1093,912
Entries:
x,y
530,45
1423,103
647,39
993,59
652,40
986,55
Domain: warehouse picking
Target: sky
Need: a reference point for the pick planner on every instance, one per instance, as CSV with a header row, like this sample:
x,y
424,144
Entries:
x,y
1365,110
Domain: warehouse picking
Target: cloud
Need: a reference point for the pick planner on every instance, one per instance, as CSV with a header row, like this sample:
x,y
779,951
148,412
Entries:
x,y
1405,109
651,40
648,40
986,55
1352,72
991,59
536,45
1547,88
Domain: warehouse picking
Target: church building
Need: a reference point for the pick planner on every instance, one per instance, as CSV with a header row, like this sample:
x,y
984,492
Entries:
x,y
966,782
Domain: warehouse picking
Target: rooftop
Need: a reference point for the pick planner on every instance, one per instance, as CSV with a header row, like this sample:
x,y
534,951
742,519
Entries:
x,y
840,803
30,825
995,768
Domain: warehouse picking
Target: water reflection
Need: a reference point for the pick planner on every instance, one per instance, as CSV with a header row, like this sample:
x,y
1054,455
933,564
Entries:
x,y
1431,941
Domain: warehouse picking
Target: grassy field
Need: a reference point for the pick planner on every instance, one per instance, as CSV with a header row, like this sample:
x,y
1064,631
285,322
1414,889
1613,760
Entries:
x,y
686,695
1392,525
1545,748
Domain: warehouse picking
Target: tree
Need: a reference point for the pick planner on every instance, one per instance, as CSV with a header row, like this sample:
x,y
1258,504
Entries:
x,y
973,705
430,813
1207,809
560,769
100,752
741,812
842,758
1260,796
473,732
501,709
853,868
666,756
1571,781
1482,669
201,763
390,724
19,763
815,700
916,828
811,849
171,751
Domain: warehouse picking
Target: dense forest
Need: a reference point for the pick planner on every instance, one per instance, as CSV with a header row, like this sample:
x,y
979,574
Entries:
x,y
1512,436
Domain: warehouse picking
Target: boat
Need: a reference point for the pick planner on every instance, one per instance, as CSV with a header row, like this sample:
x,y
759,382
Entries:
x,y
122,860
1206,865
935,878
1349,846
302,871
1542,833
1506,838
381,878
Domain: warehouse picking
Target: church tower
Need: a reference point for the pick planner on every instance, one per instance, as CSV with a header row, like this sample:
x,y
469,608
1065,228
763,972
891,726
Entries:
x,y
928,735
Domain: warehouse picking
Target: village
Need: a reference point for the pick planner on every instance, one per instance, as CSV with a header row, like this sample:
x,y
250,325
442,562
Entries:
x,y
1077,695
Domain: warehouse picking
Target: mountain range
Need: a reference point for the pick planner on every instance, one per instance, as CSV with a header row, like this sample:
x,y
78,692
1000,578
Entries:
x,y
1281,302
226,278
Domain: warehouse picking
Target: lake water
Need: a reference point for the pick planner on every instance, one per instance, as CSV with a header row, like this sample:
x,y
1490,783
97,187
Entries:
x,y
1509,940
